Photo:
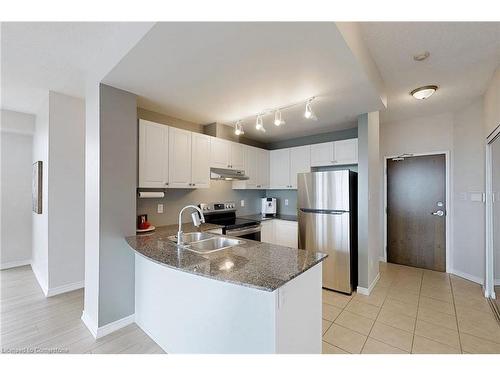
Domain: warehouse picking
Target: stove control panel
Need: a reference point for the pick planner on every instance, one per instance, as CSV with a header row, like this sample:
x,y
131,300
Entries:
x,y
217,207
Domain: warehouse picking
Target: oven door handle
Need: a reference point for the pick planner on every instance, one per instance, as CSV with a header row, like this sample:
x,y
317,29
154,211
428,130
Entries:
x,y
242,232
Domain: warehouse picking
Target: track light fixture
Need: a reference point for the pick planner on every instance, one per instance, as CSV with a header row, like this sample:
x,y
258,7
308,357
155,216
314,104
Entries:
x,y
259,124
238,128
278,121
308,113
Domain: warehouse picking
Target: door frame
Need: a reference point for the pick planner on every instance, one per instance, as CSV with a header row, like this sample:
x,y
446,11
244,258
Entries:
x,y
489,282
449,204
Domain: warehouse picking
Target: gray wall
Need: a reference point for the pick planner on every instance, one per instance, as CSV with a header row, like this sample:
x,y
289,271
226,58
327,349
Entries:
x,y
118,179
317,138
175,199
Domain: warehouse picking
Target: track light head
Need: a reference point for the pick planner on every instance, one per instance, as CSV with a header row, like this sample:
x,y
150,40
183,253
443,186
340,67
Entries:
x,y
308,113
278,121
238,128
259,124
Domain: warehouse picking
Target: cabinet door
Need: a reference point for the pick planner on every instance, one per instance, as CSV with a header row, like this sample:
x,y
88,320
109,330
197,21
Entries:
x,y
322,154
262,169
237,158
153,155
219,153
179,158
346,151
200,164
300,162
251,165
280,169
286,233
267,231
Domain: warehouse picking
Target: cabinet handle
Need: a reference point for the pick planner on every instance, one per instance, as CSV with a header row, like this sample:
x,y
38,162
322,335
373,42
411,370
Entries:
x,y
194,184
166,183
334,161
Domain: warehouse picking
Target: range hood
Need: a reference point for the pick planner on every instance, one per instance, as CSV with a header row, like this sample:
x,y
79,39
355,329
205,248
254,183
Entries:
x,y
227,174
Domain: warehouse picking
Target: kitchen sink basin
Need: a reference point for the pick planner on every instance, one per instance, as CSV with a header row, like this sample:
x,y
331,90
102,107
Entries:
x,y
188,238
213,244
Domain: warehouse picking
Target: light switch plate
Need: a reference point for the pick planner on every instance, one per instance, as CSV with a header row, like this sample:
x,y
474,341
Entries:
x,y
160,208
286,202
242,203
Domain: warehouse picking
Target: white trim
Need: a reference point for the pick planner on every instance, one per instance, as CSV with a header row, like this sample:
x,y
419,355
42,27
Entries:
x,y
382,259
496,282
115,326
449,204
90,324
17,131
489,289
65,288
41,281
367,291
468,276
16,263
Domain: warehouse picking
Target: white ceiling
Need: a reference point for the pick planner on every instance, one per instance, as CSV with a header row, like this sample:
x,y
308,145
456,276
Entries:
x,y
462,61
222,72
37,57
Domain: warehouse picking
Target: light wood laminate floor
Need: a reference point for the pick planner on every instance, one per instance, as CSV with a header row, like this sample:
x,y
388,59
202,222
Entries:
x,y
414,311
30,322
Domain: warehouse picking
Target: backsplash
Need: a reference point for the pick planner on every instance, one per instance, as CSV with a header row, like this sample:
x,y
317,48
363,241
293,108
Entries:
x,y
176,199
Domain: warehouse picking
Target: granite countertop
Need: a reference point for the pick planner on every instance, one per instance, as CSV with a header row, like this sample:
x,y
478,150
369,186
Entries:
x,y
252,264
278,216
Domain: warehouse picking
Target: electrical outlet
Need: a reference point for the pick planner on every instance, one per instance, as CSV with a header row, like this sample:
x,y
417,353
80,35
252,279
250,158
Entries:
x,y
242,203
160,208
286,202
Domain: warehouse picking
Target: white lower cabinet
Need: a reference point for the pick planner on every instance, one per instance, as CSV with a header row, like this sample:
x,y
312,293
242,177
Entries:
x,y
280,232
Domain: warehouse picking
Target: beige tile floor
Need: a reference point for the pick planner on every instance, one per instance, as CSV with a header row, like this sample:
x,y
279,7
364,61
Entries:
x,y
411,310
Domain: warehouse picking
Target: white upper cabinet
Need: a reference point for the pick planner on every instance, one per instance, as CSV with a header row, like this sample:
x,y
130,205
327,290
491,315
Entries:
x,y
300,162
237,156
153,155
346,151
200,163
262,169
335,153
179,158
219,153
280,169
322,154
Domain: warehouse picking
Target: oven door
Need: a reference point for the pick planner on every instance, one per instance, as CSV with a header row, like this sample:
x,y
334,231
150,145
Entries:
x,y
250,233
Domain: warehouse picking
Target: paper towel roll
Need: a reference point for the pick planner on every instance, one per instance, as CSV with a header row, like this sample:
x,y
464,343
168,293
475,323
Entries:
x,y
151,194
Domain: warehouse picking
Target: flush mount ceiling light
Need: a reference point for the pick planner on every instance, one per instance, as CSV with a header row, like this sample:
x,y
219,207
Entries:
x,y
308,113
423,92
278,121
421,56
238,128
259,124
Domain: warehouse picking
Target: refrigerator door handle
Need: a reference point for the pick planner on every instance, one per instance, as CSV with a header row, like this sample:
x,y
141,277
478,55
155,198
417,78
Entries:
x,y
327,212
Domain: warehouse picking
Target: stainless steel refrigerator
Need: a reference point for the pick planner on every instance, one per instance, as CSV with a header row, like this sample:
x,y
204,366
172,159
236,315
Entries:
x,y
327,214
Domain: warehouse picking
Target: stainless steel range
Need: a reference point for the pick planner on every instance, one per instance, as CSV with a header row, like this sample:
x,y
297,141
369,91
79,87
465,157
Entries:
x,y
224,214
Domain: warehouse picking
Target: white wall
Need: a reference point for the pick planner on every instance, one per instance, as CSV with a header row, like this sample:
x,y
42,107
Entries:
x,y
461,134
15,185
66,178
369,213
40,250
469,177
58,233
492,104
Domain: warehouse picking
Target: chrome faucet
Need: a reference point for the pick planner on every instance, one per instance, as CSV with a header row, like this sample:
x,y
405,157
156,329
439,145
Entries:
x,y
196,221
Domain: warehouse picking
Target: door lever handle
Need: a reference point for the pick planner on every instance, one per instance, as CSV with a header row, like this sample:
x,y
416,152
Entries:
x,y
438,213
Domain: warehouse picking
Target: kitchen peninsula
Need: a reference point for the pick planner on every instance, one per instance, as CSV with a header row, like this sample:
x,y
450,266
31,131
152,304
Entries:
x,y
253,297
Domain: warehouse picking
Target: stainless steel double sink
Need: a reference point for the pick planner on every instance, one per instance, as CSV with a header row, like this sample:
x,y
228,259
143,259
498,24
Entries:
x,y
205,243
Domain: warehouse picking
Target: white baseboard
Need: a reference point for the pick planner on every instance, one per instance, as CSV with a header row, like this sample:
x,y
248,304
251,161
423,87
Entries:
x,y
382,259
17,263
496,282
115,326
367,291
65,288
41,281
99,332
467,276
90,324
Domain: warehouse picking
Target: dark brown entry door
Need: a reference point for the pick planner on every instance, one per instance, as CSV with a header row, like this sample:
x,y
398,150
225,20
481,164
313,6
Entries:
x,y
416,212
